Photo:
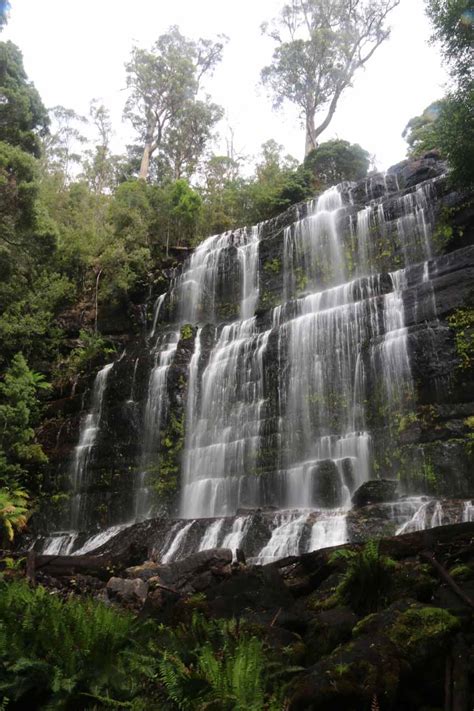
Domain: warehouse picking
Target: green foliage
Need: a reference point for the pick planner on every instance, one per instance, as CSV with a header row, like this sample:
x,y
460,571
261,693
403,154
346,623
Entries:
x,y
163,105
367,578
453,130
334,161
19,412
421,626
420,132
4,9
455,134
22,114
462,322
217,665
72,654
320,46
166,474
272,266
13,513
453,29
91,350
187,332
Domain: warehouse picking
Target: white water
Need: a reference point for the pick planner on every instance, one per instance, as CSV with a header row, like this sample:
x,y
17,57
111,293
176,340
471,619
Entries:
x,y
176,542
155,411
300,439
212,535
87,438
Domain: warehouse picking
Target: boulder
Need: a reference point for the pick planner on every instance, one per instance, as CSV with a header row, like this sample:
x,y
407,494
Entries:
x,y
127,590
348,473
376,491
388,654
326,484
148,570
197,572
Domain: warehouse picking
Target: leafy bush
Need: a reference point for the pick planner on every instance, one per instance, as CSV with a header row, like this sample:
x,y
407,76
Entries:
x,y
72,654
91,349
218,665
367,578
13,512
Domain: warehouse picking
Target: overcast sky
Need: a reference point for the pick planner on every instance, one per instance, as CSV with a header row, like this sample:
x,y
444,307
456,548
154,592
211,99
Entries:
x,y
75,50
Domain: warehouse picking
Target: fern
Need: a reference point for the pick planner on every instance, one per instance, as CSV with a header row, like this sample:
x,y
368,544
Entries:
x,y
216,666
367,578
62,651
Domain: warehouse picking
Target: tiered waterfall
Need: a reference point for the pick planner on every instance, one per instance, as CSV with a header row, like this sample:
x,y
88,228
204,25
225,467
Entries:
x,y
274,380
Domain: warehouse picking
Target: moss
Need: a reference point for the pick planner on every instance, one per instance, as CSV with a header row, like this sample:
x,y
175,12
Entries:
x,y
405,421
462,323
462,572
187,332
165,474
421,627
272,266
362,625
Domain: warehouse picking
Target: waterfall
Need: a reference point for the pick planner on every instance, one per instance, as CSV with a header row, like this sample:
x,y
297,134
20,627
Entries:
x,y
87,438
155,412
295,378
224,429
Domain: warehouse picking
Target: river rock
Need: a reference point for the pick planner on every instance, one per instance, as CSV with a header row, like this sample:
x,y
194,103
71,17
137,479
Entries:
x,y
375,492
148,570
127,590
198,571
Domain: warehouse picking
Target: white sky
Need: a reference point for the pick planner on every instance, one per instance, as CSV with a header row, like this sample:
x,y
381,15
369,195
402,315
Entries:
x,y
75,50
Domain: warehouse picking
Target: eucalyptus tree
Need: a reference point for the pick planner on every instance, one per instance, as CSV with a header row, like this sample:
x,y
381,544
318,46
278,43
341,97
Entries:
x,y
164,106
320,46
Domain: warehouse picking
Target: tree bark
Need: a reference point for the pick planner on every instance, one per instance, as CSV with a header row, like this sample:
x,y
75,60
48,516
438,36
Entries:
x,y
310,143
145,164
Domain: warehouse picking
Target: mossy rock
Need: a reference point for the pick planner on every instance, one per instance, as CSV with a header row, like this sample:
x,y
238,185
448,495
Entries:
x,y
389,651
327,630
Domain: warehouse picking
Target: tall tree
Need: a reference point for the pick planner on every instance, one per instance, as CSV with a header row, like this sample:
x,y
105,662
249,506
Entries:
x,y
453,130
164,84
320,46
99,165
61,145
23,118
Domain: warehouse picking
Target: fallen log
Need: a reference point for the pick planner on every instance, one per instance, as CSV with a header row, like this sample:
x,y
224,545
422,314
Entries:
x,y
99,566
446,577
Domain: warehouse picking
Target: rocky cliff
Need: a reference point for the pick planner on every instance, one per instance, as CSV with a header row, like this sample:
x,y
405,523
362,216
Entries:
x,y
284,366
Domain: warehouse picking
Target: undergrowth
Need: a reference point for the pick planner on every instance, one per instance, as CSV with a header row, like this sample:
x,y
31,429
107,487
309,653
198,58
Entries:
x,y
78,654
367,579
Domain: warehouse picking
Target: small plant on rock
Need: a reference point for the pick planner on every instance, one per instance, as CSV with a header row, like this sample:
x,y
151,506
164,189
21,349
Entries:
x,y
367,578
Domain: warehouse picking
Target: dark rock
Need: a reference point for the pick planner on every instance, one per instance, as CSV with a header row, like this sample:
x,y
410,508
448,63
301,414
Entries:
x,y
198,571
327,488
257,593
348,473
374,492
388,651
327,630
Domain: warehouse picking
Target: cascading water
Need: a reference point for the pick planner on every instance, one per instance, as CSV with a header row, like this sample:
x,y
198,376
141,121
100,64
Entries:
x,y
155,411
289,394
87,438
79,466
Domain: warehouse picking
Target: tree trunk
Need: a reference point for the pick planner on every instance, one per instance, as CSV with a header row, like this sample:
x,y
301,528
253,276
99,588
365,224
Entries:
x,y
310,143
145,164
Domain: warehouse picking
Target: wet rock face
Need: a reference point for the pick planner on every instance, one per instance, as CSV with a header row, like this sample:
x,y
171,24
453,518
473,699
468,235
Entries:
x,y
375,492
383,225
327,487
